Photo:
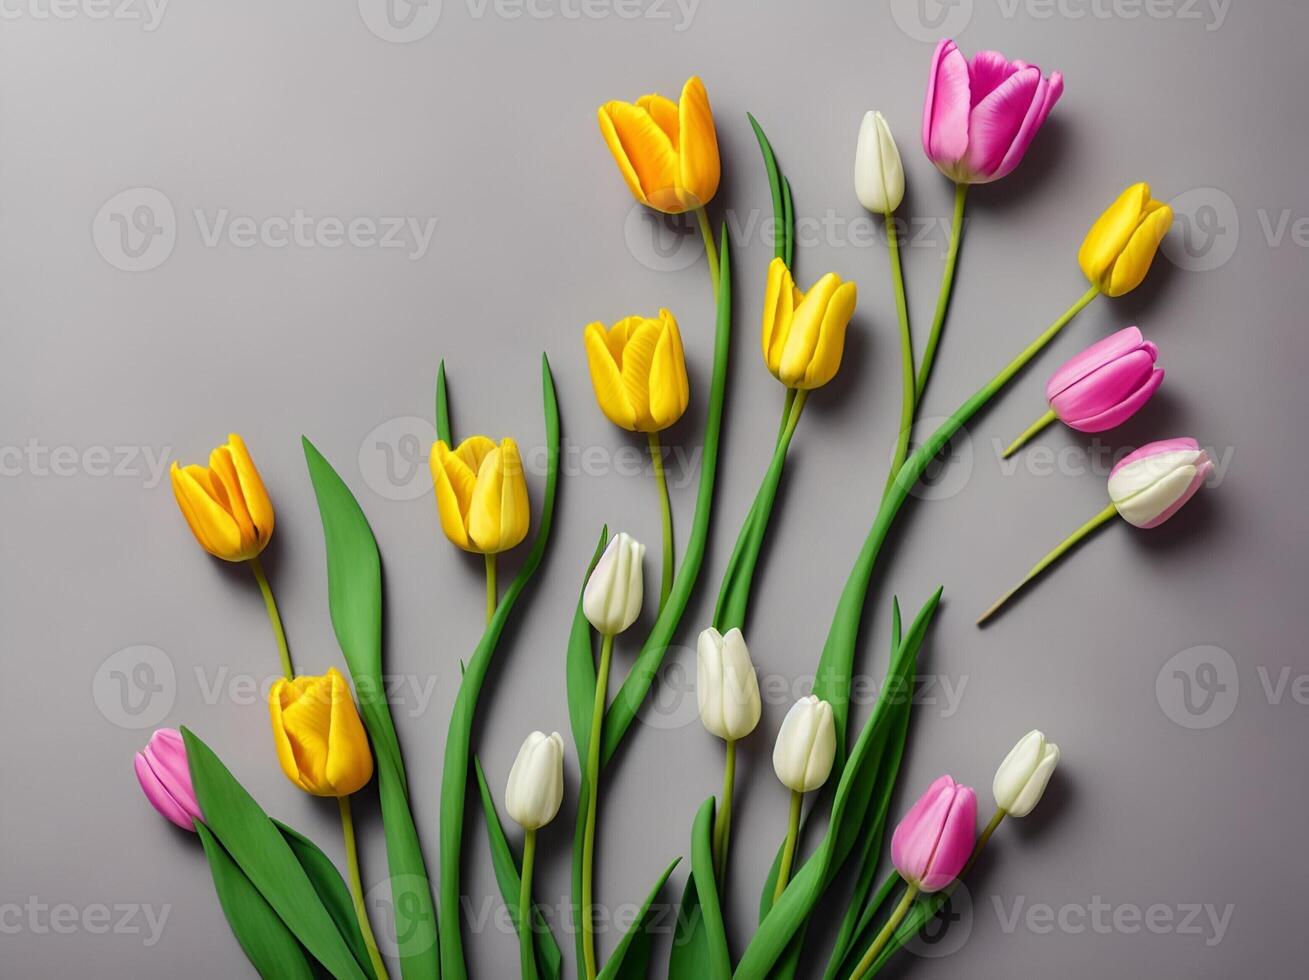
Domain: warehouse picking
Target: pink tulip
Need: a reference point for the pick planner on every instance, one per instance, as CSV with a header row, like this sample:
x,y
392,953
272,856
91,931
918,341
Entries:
x,y
980,117
165,776
1103,386
1150,485
935,838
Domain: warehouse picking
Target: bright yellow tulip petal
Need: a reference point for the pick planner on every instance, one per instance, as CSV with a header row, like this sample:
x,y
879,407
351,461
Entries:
x,y
227,487
638,358
606,377
610,134
634,137
670,390
320,740
253,491
806,326
349,763
1111,233
779,305
698,163
212,526
454,483
826,360
1134,262
664,113
515,510
225,504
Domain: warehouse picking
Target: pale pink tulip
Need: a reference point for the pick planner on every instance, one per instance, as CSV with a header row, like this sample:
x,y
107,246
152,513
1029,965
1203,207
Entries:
x,y
165,776
935,838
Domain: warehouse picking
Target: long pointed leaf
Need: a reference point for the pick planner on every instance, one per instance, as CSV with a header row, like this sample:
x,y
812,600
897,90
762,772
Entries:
x,y
631,959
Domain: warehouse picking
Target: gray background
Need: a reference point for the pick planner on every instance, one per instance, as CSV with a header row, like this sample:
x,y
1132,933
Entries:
x,y
487,123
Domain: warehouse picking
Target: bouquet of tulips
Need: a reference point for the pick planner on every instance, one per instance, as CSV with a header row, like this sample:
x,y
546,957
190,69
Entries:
x,y
290,909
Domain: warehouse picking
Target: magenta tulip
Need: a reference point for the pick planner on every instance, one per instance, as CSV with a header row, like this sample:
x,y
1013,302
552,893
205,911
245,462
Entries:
x,y
165,776
980,116
935,838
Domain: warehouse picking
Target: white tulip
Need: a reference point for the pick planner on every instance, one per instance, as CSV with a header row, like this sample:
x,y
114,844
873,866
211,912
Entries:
x,y
726,685
1149,485
1022,777
878,173
536,781
806,745
613,594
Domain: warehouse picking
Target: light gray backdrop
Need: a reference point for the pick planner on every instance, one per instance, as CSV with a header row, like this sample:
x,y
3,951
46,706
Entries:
x,y
150,307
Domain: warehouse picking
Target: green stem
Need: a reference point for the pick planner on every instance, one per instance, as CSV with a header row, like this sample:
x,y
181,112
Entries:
x,y
274,616
786,412
666,516
357,887
1098,520
723,818
710,249
943,298
888,930
788,850
908,386
593,787
492,596
1030,431
526,953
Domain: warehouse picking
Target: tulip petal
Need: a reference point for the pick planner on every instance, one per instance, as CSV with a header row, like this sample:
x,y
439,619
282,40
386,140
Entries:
x,y
1047,94
637,141
1135,260
946,108
697,149
779,307
986,72
1098,354
1111,232
806,327
670,390
955,845
1104,388
826,359
486,510
998,119
1158,502
227,486
1113,417
159,796
349,764
606,376
664,113
253,492
638,359
915,838
212,526
454,483
1134,476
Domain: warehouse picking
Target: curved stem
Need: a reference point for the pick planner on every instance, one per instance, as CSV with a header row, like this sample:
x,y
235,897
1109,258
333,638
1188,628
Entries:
x,y
1030,431
274,617
526,954
1098,520
710,249
888,930
943,298
357,887
909,390
593,786
723,818
788,850
492,596
786,412
666,517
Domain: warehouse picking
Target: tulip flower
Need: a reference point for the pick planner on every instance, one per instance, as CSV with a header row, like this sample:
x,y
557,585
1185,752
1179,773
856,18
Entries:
x,y
320,740
802,758
804,332
1117,251
878,172
230,514
1024,774
1146,488
1100,388
535,790
165,778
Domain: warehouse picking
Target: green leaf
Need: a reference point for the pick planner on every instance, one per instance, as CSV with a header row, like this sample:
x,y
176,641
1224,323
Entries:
x,y
259,850
442,408
457,762
270,946
627,702
776,184
549,960
788,223
631,959
354,594
716,960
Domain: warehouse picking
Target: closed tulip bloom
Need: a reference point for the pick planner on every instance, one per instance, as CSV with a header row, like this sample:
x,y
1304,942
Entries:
x,y
933,841
806,745
536,781
1117,251
726,686
638,370
1151,484
1023,776
481,494
804,333
165,778
225,503
613,594
666,151
1107,383
878,173
979,117
320,740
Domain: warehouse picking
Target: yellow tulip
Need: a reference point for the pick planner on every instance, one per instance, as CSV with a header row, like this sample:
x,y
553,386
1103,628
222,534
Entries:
x,y
225,503
1120,246
804,333
667,152
638,370
481,494
320,740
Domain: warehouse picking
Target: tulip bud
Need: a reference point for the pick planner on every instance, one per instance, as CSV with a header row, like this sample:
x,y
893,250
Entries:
x,y
613,594
878,173
1117,251
638,370
804,333
225,503
536,781
320,740
1151,484
1106,384
165,778
806,745
1022,777
726,686
481,494
935,838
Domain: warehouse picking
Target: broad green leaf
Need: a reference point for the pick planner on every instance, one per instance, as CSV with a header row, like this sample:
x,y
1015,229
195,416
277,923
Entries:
x,y
270,946
718,960
631,959
354,592
259,850
457,762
